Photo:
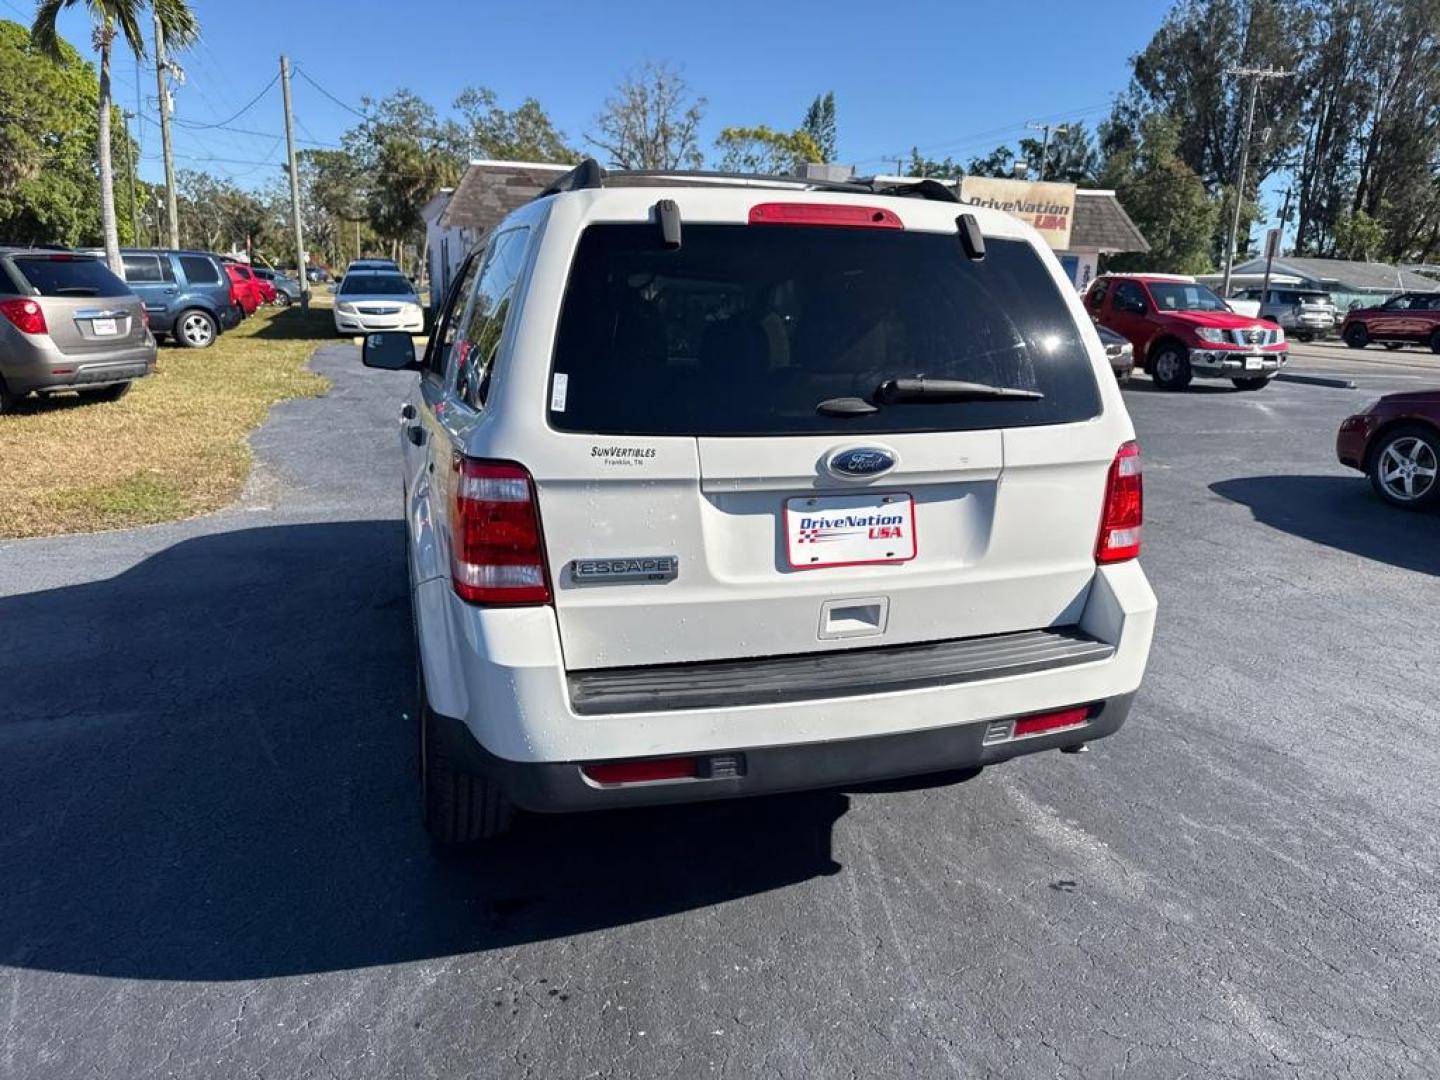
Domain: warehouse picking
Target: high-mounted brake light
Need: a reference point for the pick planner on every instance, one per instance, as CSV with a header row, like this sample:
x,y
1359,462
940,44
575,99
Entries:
x,y
836,214
497,555
1124,508
25,314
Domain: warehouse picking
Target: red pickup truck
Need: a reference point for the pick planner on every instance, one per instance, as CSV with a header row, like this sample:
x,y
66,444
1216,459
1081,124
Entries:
x,y
1181,331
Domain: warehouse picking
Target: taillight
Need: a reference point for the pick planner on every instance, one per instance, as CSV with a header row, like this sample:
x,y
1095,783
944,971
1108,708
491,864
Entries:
x,y
1120,520
841,214
497,555
26,314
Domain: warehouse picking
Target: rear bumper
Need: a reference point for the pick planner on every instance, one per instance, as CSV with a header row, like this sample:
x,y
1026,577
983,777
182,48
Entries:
x,y
561,787
501,672
1235,364
47,368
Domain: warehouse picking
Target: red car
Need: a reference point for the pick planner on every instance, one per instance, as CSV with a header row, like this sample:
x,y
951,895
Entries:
x,y
1181,331
1410,318
1396,441
244,287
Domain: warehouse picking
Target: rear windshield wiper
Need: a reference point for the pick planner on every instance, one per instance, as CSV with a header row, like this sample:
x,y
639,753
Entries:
x,y
921,389
76,290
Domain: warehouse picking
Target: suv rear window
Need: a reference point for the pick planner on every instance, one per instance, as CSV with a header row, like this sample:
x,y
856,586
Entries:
x,y
743,330
69,276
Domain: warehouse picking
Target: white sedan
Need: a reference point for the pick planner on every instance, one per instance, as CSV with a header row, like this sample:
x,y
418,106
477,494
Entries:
x,y
376,300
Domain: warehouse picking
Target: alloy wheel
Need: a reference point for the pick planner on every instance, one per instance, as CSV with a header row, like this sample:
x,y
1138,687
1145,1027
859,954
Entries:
x,y
1407,469
197,329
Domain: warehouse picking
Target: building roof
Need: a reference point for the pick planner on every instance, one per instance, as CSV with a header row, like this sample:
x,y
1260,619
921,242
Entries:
x,y
1101,224
1350,276
491,189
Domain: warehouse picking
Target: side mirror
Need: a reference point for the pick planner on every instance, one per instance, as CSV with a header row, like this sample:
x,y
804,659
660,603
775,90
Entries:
x,y
389,350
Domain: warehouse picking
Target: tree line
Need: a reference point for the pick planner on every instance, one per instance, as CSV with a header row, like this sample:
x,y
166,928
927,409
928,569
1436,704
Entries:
x,y
1352,135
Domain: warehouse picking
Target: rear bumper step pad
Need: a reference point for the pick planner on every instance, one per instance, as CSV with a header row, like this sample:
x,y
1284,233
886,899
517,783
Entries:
x,y
844,673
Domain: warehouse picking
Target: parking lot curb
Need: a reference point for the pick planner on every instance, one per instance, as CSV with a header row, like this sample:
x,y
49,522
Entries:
x,y
1316,380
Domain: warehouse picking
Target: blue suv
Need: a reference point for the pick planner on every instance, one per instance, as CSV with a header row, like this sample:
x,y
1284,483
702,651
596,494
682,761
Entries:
x,y
186,293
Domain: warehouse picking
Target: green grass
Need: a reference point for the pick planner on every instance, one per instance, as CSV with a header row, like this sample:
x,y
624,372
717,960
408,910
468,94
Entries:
x,y
174,447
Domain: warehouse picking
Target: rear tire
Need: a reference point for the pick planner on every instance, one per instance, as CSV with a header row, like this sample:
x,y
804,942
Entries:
x,y
282,299
1418,445
113,392
1435,342
1356,336
195,329
1251,384
1170,368
8,401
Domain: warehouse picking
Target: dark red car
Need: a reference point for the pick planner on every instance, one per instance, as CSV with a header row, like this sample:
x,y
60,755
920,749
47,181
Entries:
x,y
1410,318
1181,331
1396,441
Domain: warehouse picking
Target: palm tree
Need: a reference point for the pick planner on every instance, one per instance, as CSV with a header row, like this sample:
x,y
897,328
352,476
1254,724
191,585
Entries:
x,y
178,25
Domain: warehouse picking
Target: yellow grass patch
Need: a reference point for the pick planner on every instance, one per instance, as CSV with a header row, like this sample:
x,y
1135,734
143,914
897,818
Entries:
x,y
174,447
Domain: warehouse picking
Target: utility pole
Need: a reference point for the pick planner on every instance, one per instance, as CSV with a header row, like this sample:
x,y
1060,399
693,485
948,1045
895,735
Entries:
x,y
1254,76
162,68
294,186
1272,245
134,210
1059,129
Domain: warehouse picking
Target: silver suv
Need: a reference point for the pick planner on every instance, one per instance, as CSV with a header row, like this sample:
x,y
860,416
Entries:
x,y
68,323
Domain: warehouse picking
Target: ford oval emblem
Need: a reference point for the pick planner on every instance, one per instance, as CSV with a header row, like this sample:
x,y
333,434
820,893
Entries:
x,y
861,462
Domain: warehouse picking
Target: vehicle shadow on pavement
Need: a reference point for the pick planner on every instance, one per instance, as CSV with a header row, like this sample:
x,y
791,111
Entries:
x,y
1340,512
206,774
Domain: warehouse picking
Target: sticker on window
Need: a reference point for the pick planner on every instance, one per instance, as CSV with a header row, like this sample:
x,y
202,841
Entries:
x,y
559,390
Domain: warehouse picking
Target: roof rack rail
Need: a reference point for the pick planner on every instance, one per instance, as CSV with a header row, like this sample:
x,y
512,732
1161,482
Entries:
x,y
589,175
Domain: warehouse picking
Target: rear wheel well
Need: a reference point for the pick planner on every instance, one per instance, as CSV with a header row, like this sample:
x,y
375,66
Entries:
x,y
1160,343
1392,425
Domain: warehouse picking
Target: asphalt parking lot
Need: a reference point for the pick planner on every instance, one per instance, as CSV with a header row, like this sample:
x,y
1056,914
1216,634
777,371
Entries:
x,y
212,864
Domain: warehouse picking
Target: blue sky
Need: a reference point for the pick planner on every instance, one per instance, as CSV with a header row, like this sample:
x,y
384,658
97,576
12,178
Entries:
x,y
954,78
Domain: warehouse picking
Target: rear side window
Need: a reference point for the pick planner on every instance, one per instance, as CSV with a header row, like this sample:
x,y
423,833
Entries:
x,y
69,276
143,269
494,295
200,270
744,330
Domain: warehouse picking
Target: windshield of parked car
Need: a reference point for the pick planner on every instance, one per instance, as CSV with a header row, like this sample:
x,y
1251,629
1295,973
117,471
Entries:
x,y
1184,296
68,276
376,285
745,330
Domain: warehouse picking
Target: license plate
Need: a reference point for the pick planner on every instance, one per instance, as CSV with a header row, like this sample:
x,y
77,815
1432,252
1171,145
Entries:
x,y
1254,363
849,530
104,327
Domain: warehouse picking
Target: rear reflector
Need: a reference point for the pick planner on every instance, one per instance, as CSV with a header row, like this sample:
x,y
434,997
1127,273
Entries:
x,y
496,553
836,214
1123,510
1052,721
644,771
25,314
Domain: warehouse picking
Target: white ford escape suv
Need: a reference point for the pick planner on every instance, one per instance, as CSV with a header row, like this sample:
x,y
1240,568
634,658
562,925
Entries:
x,y
720,486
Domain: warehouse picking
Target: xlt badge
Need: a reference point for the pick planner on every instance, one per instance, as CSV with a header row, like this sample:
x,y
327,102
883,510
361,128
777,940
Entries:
x,y
625,568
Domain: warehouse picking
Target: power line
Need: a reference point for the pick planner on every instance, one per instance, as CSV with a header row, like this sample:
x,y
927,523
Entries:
x,y
248,106
192,125
962,141
349,108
